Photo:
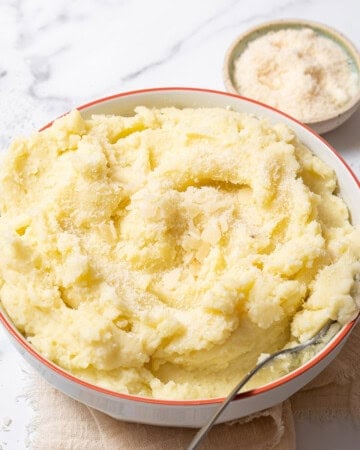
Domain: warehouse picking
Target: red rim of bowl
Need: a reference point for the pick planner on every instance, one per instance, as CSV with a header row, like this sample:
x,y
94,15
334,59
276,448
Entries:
x,y
274,384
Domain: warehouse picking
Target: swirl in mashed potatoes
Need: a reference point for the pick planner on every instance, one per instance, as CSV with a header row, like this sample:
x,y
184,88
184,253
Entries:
x,y
162,254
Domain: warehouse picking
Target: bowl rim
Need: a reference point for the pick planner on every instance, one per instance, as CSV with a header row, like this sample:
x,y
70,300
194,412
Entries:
x,y
337,340
283,23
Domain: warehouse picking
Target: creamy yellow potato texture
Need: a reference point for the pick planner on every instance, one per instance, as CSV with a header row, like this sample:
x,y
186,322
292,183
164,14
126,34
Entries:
x,y
161,254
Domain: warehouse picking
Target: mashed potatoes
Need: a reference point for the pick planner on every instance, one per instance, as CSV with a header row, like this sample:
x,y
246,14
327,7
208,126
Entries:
x,y
162,254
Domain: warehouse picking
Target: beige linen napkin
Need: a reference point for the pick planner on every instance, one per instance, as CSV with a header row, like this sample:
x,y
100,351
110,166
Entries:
x,y
64,424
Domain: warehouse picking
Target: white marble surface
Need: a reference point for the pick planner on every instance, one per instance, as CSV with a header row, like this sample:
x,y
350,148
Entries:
x,y
58,54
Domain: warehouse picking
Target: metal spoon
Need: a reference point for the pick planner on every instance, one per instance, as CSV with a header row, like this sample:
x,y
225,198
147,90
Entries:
x,y
200,435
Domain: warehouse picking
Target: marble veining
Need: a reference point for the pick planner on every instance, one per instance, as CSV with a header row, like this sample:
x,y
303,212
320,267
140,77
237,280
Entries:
x,y
59,54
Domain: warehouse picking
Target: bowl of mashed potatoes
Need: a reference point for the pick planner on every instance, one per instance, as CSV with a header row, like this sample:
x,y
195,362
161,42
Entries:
x,y
157,243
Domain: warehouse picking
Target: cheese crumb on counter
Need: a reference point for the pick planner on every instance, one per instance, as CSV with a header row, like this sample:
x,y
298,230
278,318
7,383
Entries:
x,y
161,254
5,423
298,71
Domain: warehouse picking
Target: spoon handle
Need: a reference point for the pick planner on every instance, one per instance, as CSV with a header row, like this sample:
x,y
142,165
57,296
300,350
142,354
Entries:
x,y
202,433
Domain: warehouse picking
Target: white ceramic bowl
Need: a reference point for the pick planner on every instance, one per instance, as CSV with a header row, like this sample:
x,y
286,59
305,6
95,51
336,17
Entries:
x,y
196,412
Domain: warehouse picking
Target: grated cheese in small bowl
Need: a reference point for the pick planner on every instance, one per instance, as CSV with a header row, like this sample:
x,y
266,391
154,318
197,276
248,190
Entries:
x,y
305,70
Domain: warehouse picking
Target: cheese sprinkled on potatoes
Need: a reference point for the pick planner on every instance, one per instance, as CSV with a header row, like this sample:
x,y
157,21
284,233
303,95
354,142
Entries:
x,y
162,254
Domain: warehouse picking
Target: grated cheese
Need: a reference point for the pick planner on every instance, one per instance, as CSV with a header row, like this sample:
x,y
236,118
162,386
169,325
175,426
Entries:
x,y
297,71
